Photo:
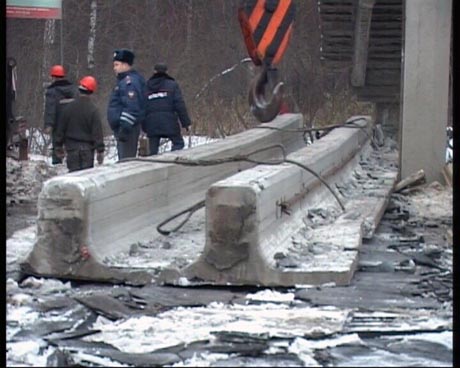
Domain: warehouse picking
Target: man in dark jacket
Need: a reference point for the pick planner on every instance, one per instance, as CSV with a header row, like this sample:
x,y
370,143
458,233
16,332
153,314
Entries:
x,y
58,93
80,129
126,109
165,110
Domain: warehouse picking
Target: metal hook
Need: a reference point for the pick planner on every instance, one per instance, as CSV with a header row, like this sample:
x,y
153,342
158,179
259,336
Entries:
x,y
263,108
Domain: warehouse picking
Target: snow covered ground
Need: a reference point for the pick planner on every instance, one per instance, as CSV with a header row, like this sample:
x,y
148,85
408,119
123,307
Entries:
x,y
278,328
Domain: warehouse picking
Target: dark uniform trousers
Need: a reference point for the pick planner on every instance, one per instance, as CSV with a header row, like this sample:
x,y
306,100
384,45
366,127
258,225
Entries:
x,y
80,155
128,148
54,158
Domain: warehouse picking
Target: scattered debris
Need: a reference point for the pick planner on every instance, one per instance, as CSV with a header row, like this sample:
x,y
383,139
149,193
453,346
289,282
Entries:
x,y
398,318
24,179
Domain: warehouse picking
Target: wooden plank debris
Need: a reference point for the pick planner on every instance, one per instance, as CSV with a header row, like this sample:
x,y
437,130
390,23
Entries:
x,y
410,181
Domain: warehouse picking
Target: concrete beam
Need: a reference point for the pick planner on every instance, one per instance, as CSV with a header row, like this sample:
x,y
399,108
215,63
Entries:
x,y
86,216
361,41
253,218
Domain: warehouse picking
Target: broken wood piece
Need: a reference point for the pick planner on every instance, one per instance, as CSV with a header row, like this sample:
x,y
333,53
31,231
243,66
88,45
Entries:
x,y
447,174
411,180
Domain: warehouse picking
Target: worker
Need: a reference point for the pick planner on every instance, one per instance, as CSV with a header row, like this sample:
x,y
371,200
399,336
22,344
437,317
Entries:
x,y
166,112
126,109
58,93
79,129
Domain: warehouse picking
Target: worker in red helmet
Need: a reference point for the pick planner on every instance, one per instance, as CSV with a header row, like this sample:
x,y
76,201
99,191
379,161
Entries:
x,y
79,129
58,93
57,71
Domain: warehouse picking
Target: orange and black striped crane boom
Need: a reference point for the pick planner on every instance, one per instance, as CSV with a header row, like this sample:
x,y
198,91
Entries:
x,y
267,27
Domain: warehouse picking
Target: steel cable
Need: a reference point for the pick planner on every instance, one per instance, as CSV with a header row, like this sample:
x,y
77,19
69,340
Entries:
x,y
237,158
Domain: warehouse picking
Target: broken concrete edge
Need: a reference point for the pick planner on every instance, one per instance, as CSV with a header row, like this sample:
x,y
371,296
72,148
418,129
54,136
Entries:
x,y
243,259
69,228
209,276
65,244
67,255
95,272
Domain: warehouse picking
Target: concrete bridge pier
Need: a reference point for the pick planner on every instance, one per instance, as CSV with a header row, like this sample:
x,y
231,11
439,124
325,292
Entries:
x,y
425,89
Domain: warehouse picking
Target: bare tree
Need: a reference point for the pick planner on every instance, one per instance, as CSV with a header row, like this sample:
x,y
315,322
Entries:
x,y
92,34
198,39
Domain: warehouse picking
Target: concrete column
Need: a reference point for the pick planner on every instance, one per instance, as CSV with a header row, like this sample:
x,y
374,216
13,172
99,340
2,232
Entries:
x,y
425,87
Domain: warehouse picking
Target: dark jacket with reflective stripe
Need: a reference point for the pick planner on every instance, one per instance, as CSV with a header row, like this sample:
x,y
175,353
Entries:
x,y
165,107
80,122
57,91
126,105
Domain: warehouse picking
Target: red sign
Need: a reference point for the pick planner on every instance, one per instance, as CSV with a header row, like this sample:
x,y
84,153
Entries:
x,y
41,9
23,12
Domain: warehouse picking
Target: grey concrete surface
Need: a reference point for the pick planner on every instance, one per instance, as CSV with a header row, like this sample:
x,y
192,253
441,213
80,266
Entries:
x,y
86,216
424,111
251,217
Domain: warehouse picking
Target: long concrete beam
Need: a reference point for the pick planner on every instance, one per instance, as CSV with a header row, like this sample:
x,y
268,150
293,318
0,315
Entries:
x,y
86,216
256,221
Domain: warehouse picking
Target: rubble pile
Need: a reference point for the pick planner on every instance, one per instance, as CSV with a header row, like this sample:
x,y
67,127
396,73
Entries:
x,y
24,179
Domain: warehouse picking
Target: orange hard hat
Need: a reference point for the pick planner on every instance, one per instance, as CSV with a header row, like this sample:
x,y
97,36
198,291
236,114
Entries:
x,y
57,71
88,83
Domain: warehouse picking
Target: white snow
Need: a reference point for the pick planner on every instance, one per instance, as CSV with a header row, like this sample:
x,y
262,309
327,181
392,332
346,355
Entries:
x,y
145,334
270,295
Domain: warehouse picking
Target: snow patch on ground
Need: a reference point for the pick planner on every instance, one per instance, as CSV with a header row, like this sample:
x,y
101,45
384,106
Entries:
x,y
146,334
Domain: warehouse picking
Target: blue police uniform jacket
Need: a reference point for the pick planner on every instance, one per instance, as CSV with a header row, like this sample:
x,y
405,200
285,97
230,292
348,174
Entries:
x,y
165,107
127,101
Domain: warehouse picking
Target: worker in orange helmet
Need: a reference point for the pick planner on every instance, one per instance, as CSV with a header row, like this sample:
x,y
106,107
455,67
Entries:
x,y
79,129
58,93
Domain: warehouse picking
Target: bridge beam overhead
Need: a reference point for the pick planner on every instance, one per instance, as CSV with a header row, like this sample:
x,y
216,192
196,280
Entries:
x,y
425,87
361,42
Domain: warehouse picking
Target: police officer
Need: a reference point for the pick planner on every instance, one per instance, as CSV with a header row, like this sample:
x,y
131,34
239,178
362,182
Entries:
x,y
126,108
58,93
80,129
166,112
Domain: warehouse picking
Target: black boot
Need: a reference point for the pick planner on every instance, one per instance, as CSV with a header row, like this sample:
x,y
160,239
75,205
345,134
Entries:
x,y
55,160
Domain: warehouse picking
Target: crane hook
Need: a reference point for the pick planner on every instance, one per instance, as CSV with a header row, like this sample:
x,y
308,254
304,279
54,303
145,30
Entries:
x,y
265,107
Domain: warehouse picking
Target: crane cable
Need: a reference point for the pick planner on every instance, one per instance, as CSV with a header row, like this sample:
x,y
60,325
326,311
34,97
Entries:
x,y
237,158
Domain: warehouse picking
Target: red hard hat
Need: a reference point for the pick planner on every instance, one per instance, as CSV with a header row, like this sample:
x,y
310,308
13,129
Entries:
x,y
57,71
88,83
